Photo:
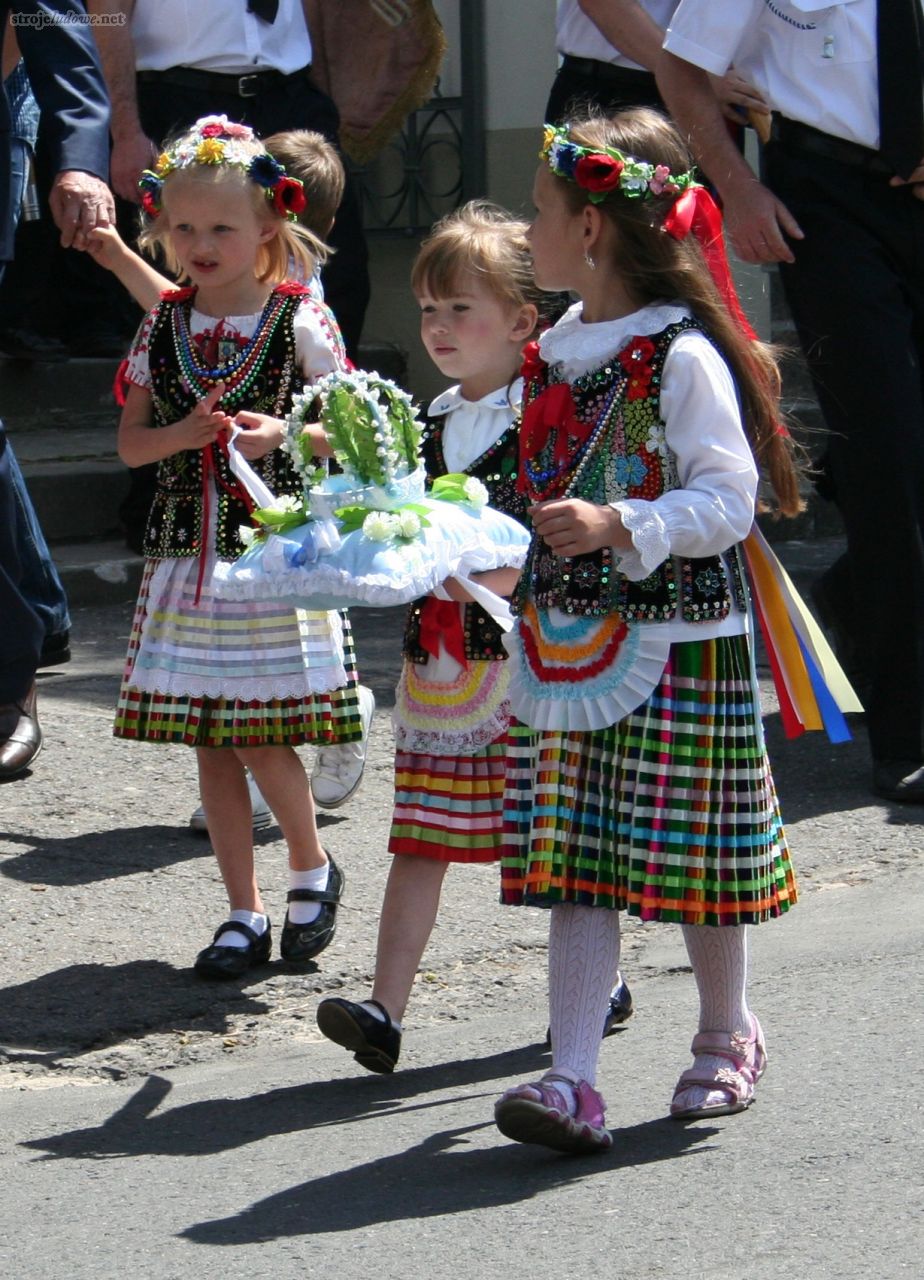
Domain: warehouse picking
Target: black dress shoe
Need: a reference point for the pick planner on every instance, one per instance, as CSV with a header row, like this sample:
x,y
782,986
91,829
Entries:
x,y
233,962
302,942
56,649
20,735
618,1011
374,1044
901,780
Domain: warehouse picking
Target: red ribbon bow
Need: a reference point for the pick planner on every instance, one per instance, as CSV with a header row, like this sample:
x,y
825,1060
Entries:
x,y
552,412
441,621
696,211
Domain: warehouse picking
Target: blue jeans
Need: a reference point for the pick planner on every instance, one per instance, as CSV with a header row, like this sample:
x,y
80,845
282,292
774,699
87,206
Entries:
x,y
22,629
39,581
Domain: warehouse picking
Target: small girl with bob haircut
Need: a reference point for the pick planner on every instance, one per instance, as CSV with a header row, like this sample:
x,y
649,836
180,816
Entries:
x,y
242,682
644,785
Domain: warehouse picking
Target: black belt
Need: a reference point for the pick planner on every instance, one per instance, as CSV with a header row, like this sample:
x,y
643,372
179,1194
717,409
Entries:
x,y
591,69
250,85
795,136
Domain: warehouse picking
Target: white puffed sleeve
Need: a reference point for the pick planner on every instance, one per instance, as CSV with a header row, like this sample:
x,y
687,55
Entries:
x,y
318,344
714,506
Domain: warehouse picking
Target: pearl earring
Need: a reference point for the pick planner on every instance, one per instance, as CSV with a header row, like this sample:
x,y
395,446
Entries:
x,y
589,260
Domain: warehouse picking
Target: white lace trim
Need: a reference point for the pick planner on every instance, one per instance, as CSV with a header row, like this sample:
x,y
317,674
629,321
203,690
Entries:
x,y
579,347
265,689
447,742
649,538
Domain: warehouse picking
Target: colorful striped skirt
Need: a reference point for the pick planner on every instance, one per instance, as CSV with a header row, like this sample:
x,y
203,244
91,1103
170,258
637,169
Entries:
x,y
449,807
670,814
174,635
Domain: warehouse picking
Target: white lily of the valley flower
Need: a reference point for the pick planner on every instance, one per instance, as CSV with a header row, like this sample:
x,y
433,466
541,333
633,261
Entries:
x,y
408,524
246,534
379,526
476,495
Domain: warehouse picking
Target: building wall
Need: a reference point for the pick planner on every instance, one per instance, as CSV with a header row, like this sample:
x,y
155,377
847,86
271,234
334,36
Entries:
x,y
520,62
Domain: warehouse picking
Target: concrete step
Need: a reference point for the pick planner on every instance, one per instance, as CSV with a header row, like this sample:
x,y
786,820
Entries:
x,y
98,572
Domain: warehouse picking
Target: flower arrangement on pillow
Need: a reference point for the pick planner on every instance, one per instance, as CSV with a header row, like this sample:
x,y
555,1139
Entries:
x,y
372,535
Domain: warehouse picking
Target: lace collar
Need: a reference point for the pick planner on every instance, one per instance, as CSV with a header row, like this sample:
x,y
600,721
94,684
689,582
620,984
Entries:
x,y
578,347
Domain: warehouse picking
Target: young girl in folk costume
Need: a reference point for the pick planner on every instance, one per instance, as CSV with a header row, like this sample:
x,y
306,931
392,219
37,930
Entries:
x,y
244,683
645,785
479,305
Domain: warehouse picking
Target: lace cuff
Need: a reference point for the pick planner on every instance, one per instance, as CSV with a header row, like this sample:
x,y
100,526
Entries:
x,y
649,539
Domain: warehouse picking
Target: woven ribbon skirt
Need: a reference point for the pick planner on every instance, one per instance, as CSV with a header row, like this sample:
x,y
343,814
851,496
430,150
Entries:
x,y
449,808
321,718
670,814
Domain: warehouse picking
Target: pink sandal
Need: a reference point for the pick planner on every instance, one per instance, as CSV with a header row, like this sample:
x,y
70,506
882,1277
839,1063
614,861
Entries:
x,y
548,1121
747,1056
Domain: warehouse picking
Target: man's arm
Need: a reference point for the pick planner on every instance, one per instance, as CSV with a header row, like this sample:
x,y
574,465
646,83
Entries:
x,y
755,220
65,76
132,149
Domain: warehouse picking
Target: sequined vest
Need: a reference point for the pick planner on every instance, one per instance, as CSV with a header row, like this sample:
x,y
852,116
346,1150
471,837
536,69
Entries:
x,y
263,376
497,470
624,455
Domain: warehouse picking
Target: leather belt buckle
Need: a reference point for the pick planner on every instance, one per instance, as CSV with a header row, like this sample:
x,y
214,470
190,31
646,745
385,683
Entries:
x,y
248,86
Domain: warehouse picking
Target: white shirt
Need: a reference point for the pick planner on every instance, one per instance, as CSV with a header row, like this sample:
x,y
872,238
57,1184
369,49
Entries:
x,y
580,36
714,506
218,36
813,60
472,426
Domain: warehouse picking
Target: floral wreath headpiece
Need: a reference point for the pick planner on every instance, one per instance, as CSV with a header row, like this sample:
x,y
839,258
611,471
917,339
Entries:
x,y
217,140
598,171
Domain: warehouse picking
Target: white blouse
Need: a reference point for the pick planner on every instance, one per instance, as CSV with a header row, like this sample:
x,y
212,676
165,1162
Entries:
x,y
472,426
714,506
313,346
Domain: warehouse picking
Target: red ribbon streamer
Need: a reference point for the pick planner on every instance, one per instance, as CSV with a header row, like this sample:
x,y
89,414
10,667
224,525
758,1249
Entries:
x,y
441,620
696,211
553,411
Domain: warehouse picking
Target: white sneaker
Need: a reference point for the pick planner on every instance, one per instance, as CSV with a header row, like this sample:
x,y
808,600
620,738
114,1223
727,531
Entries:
x,y
262,814
338,770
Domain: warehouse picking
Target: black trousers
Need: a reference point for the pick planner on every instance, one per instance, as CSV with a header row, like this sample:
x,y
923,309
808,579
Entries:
x,y
856,292
602,85
21,629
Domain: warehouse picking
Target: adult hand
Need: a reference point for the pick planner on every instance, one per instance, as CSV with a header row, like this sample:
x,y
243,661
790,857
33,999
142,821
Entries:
x,y
131,154
573,527
915,181
79,202
757,223
737,97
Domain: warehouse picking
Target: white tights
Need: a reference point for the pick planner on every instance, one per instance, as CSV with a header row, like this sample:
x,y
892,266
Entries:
x,y
584,960
583,963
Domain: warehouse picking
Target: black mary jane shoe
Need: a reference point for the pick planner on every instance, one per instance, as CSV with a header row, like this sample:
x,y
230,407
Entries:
x,y
302,942
374,1044
233,962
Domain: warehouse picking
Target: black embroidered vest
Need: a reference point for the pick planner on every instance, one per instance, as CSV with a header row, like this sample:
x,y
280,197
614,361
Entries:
x,y
497,470
624,456
262,377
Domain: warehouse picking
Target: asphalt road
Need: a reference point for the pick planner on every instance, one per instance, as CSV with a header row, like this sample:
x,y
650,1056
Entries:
x,y
156,1126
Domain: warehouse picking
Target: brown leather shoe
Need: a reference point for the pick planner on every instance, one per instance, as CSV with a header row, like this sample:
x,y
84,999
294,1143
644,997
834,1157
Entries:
x,y
20,735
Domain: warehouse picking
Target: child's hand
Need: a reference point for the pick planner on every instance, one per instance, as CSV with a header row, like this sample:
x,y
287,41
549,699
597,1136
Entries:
x,y
261,434
204,425
573,527
105,246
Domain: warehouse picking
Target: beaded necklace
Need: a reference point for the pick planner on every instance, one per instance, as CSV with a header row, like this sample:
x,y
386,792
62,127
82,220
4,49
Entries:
x,y
241,369
558,479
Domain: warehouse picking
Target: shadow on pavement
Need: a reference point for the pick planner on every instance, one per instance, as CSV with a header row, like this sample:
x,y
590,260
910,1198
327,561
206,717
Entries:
x,y
103,855
438,1177
90,1006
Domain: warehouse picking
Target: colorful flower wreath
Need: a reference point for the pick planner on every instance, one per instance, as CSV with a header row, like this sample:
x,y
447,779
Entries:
x,y
218,140
598,172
